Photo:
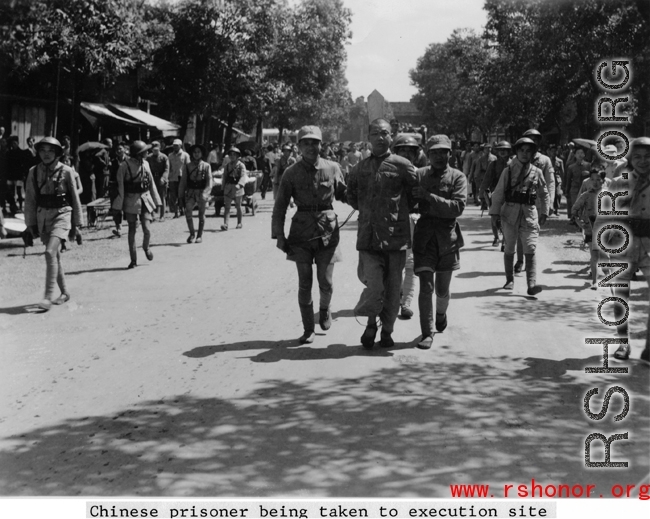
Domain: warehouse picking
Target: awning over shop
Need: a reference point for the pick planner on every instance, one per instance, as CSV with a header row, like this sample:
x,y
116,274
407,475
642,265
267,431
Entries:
x,y
168,128
97,113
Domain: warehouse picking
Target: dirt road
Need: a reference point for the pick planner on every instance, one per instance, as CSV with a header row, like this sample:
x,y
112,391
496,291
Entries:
x,y
184,377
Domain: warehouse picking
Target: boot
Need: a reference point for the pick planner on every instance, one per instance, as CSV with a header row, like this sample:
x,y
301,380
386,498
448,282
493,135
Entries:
x,y
199,235
307,314
510,275
325,319
425,304
531,274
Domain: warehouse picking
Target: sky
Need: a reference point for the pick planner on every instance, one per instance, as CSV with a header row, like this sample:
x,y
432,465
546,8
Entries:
x,y
388,36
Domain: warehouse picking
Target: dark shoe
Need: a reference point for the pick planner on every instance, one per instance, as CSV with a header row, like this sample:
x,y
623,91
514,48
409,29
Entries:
x,y
406,312
78,238
623,352
533,290
224,227
503,247
441,322
386,341
518,267
368,337
425,343
132,265
148,254
645,354
190,238
325,319
495,242
510,284
307,337
117,233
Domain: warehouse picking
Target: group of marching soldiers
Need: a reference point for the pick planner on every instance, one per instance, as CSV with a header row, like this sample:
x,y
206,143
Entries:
x,y
386,189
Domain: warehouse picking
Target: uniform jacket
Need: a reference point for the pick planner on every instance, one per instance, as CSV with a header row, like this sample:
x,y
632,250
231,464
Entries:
x,y
159,167
575,175
637,205
132,170
446,201
543,162
197,172
310,186
521,178
380,189
480,166
57,179
492,175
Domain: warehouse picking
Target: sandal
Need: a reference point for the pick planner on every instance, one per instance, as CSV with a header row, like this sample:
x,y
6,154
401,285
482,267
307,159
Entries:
x,y
63,298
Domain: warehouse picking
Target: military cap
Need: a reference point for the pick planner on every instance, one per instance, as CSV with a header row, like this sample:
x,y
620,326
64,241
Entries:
x,y
155,144
610,149
177,142
439,142
52,142
233,149
310,132
404,140
287,147
502,145
138,147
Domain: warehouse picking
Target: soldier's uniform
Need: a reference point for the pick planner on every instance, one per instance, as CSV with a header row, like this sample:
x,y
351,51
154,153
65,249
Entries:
x,y
437,238
520,196
314,232
637,221
52,207
194,188
137,197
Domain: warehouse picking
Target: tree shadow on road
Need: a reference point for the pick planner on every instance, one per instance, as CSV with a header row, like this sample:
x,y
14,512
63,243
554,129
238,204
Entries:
x,y
408,430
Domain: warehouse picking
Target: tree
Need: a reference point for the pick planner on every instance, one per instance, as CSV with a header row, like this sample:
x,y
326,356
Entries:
x,y
87,37
548,51
448,79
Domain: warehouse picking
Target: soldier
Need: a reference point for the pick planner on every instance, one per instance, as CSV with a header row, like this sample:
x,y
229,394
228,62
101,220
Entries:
x,y
520,196
380,188
544,163
441,195
407,146
280,166
137,197
313,183
233,181
195,187
53,211
636,218
480,169
491,179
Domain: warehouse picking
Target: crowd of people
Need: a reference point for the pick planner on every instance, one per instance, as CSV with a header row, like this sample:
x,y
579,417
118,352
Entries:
x,y
409,191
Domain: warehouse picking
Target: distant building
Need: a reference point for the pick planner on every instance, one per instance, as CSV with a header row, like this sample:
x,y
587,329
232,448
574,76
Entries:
x,y
407,113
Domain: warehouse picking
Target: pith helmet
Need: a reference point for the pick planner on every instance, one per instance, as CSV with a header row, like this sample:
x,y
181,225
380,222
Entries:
x,y
52,142
640,141
532,133
525,140
502,145
138,147
403,141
